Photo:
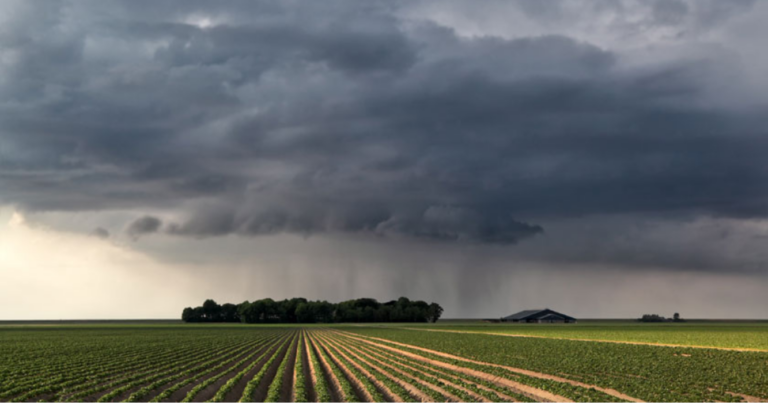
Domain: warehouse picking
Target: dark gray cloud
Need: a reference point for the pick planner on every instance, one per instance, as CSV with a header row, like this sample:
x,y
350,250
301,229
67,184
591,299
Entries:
x,y
100,233
144,226
255,119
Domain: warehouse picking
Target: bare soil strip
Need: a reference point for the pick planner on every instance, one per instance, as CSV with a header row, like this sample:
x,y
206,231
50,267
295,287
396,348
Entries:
x,y
267,344
154,370
336,393
312,371
180,394
362,355
416,365
414,391
748,398
309,386
286,394
113,373
360,389
210,391
521,371
419,369
537,394
237,391
293,389
637,343
388,394
253,345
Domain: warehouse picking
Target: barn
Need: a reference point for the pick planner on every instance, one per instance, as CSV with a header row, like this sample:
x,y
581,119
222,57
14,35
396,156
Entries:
x,y
539,316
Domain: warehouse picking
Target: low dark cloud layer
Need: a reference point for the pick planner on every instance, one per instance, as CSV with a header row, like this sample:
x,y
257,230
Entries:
x,y
261,118
143,226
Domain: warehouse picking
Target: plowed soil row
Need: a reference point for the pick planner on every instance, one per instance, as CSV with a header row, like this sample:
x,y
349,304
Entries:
x,y
533,392
237,391
200,376
263,389
124,395
309,385
381,362
337,395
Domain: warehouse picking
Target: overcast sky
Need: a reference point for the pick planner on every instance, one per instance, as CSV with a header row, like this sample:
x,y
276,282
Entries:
x,y
602,158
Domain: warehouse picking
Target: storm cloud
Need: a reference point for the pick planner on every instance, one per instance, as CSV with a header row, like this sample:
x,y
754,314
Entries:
x,y
255,118
143,226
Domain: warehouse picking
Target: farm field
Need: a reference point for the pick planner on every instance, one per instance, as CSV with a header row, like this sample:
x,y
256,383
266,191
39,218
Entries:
x,y
743,335
196,363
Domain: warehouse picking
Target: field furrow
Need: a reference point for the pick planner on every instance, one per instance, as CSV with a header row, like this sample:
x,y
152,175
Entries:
x,y
339,387
317,376
257,389
281,387
470,384
387,393
363,387
413,388
326,363
537,394
436,393
177,381
453,391
124,390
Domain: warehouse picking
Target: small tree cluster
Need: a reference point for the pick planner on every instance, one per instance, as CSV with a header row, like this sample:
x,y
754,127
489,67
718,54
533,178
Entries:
x,y
300,310
211,312
658,318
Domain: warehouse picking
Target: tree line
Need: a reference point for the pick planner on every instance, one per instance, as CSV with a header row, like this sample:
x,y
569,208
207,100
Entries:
x,y
652,317
301,310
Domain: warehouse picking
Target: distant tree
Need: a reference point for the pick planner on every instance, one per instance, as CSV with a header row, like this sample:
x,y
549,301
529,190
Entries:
x,y
188,315
197,314
243,310
211,311
304,313
652,318
434,312
229,313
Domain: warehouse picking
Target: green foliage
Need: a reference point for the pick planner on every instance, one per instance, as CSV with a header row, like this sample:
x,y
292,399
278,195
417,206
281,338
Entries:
x,y
321,388
300,310
250,387
299,384
276,386
651,373
148,362
346,387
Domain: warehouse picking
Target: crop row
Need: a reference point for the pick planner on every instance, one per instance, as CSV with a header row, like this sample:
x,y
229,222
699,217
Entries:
x,y
649,373
363,364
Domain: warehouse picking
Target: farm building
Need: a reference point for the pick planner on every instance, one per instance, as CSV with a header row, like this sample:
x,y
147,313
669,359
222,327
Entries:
x,y
539,316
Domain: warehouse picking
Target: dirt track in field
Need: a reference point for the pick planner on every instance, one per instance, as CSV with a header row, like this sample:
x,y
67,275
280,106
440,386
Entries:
x,y
360,389
337,395
311,371
413,379
388,394
527,389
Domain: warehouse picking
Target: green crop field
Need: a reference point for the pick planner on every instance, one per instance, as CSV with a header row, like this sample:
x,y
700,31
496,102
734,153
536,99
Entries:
x,y
238,362
745,335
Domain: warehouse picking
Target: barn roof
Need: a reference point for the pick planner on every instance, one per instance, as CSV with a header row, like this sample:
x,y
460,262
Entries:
x,y
535,314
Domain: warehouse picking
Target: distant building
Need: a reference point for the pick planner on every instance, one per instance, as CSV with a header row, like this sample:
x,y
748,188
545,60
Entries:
x,y
539,316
